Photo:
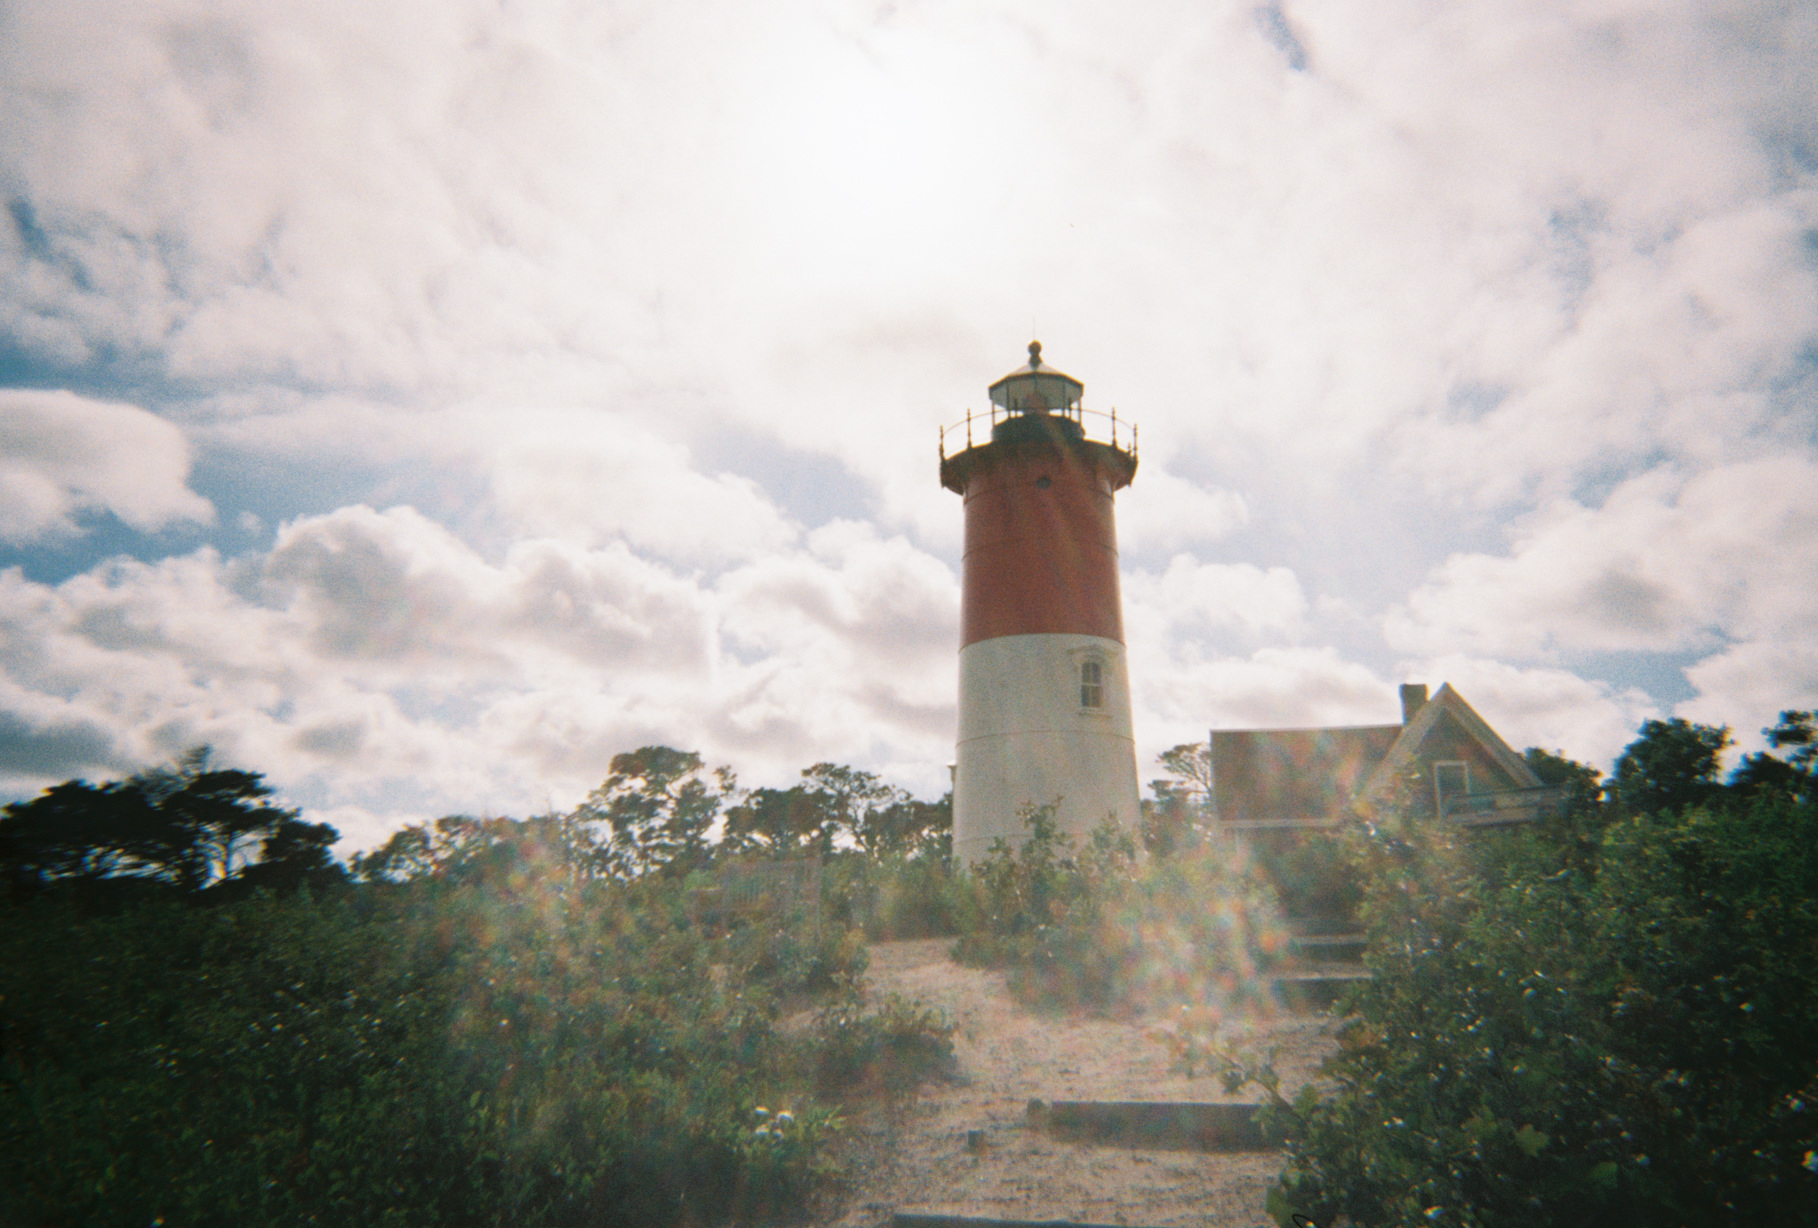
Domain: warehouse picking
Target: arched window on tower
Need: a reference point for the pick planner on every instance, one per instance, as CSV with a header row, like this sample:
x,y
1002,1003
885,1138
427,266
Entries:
x,y
1091,684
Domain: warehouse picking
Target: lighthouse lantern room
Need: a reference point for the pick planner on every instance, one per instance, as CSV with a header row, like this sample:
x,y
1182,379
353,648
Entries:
x,y
1044,693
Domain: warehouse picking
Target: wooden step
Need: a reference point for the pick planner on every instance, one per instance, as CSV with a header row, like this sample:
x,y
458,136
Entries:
x,y
921,1219
1154,1125
1317,988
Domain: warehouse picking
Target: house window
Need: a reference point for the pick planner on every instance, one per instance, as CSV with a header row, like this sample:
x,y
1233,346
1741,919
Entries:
x,y
1451,782
1091,684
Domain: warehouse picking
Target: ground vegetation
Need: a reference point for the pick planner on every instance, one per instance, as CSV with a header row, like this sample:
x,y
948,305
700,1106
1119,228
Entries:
x,y
577,1018
1602,1018
205,1020
1096,925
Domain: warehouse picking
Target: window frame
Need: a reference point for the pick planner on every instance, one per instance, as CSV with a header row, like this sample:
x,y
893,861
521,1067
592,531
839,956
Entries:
x,y
1440,792
1091,679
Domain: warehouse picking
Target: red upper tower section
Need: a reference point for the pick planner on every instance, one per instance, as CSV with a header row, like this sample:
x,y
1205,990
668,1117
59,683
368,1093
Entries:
x,y
1041,537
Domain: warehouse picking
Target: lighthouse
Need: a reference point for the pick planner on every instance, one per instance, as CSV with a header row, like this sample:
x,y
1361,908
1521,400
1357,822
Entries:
x,y
1044,691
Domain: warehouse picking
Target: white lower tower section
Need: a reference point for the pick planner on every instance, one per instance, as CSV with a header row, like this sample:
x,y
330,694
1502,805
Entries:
x,y
1043,718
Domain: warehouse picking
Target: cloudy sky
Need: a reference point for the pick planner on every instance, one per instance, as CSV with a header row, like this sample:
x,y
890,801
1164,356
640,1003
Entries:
x,y
422,402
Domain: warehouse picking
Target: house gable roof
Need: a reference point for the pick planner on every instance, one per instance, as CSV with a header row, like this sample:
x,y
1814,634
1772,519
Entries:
x,y
1445,703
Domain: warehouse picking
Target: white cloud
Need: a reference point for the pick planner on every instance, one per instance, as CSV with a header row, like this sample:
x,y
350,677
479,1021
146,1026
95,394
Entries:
x,y
1666,563
61,454
596,286
1179,696
1748,685
850,647
376,664
390,194
599,476
44,735
1675,350
1160,512
391,588
1192,599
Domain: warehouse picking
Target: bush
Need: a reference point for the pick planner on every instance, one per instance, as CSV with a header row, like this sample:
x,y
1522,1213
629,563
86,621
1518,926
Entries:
x,y
911,897
890,1050
250,1064
784,1157
793,955
1096,928
1041,910
1546,1043
541,1052
1312,874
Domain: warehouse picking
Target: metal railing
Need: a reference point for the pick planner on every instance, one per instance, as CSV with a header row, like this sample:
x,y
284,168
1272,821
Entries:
x,y
986,422
1281,823
1505,806
760,888
1466,809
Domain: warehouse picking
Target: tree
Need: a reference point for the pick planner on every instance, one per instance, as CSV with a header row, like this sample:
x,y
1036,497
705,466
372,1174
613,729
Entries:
x,y
227,824
1582,783
834,806
1578,824
659,804
79,831
1799,730
190,826
1181,816
1671,766
460,848
908,827
410,853
294,853
778,823
1792,775
854,803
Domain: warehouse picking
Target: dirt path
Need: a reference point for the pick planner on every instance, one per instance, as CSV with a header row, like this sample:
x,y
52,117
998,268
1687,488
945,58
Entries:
x,y
918,1154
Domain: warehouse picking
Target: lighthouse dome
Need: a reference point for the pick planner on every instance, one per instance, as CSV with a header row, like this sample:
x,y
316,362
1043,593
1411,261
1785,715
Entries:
x,y
1037,389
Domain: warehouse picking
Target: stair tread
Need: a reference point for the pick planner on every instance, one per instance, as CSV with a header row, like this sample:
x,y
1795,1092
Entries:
x,y
914,1218
1162,1125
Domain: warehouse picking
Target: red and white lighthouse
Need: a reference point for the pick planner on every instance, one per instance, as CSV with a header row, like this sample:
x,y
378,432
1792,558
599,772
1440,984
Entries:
x,y
1044,693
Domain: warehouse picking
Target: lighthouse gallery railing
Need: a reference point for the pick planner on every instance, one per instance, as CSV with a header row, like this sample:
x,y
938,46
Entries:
x,y
1095,426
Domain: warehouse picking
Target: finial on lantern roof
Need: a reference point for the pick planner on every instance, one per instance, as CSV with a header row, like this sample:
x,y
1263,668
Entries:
x,y
1035,354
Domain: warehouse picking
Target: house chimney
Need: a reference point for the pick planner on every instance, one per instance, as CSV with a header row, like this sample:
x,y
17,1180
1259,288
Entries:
x,y
1413,699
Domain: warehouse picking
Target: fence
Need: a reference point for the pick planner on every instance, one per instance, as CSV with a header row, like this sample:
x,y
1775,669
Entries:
x,y
1506,806
746,890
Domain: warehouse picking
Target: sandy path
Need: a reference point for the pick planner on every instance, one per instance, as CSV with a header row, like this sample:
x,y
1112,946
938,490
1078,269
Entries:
x,y
917,1154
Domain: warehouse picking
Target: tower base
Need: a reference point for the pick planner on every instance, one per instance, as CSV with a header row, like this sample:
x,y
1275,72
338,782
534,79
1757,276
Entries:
x,y
1038,726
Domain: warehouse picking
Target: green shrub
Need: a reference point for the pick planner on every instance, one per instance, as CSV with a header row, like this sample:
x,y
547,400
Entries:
x,y
1040,908
793,955
1097,928
890,1050
1312,874
784,1157
1546,1043
537,1052
251,1064
911,897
